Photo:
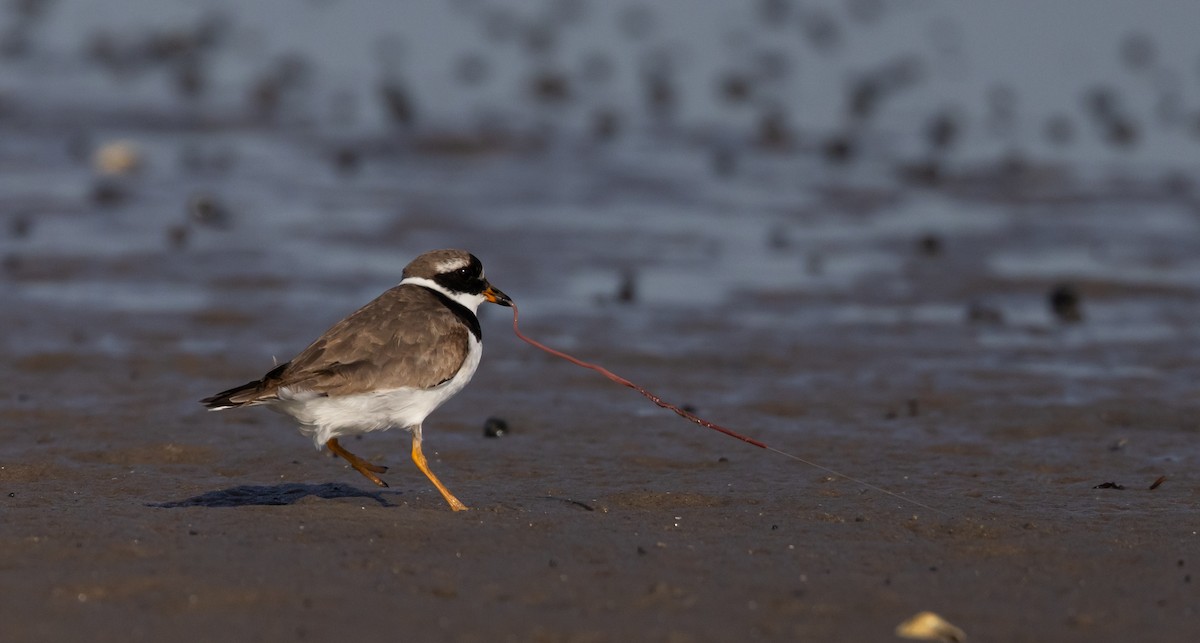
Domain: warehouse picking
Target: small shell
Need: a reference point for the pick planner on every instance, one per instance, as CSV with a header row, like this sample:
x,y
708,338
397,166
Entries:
x,y
927,626
117,157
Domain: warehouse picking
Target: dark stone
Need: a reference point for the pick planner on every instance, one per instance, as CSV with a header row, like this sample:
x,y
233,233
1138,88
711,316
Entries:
x,y
495,427
1065,303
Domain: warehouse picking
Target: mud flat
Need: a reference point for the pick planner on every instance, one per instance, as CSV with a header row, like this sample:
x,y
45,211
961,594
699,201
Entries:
x,y
1007,340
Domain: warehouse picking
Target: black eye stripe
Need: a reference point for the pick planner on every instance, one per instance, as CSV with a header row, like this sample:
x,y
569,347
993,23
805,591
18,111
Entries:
x,y
468,279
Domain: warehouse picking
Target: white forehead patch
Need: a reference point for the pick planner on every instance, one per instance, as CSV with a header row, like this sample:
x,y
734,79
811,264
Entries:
x,y
450,265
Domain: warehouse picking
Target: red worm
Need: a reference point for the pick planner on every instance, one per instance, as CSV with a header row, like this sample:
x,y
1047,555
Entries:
x,y
705,423
624,382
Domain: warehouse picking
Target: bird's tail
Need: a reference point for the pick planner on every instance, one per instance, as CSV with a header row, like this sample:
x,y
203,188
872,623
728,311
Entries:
x,y
249,393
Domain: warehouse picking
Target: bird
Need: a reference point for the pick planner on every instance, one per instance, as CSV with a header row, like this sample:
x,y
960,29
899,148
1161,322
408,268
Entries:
x,y
388,365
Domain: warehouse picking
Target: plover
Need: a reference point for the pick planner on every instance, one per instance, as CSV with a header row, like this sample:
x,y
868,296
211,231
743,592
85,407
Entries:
x,y
388,365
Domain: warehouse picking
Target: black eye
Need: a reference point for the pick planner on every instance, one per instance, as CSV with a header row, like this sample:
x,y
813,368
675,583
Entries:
x,y
463,271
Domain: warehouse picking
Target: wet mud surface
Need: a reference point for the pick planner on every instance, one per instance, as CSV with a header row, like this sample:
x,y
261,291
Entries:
x,y
131,512
1010,343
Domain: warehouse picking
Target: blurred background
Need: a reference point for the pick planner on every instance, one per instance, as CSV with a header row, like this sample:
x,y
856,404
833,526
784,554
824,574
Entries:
x,y
672,151
1006,168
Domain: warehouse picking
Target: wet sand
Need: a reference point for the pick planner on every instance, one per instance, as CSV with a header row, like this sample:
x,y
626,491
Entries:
x,y
131,514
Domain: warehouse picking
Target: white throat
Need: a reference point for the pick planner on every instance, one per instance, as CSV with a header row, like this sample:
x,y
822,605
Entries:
x,y
471,302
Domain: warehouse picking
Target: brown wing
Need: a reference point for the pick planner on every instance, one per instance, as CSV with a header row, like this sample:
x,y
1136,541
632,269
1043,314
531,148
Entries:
x,y
406,337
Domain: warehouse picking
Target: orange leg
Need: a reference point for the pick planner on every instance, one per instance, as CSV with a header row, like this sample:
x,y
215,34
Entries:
x,y
419,457
362,466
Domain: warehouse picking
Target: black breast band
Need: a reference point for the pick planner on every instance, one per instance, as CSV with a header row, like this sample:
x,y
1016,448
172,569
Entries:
x,y
463,313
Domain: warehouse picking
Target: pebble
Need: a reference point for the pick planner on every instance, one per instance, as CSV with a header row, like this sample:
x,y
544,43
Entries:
x,y
495,427
1064,302
207,210
930,245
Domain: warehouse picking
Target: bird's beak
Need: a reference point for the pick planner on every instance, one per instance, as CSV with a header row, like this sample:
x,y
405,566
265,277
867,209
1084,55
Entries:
x,y
492,294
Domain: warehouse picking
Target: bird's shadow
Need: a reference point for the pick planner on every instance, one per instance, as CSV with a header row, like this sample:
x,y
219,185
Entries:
x,y
280,494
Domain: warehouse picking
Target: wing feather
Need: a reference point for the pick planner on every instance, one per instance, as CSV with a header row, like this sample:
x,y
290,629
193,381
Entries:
x,y
405,337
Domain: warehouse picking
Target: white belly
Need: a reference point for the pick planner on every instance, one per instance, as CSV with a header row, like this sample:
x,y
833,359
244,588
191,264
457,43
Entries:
x,y
325,418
